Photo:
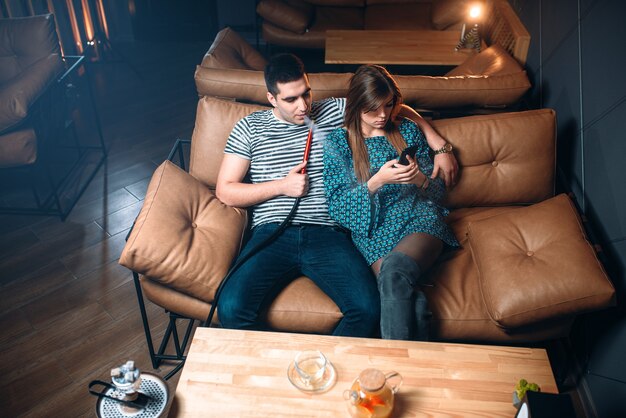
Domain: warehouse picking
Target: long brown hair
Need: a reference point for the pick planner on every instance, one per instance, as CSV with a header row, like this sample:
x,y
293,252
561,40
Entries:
x,y
370,87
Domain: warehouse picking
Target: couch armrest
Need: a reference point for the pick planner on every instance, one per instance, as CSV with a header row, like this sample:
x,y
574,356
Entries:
x,y
494,60
184,237
535,264
230,51
285,15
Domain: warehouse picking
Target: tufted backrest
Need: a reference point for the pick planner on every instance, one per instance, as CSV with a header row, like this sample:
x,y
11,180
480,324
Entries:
x,y
24,41
505,159
215,118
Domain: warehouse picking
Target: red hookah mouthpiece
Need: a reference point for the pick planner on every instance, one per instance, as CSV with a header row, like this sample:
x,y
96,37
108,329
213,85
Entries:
x,y
307,149
309,140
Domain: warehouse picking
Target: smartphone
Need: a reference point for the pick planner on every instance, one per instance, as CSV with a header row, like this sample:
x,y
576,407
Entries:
x,y
408,151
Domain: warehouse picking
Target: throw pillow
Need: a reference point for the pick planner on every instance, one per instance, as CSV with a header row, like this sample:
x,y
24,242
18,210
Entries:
x,y
183,237
536,263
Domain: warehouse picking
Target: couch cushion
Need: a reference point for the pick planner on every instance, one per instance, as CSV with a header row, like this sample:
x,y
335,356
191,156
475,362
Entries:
x,y
184,236
300,307
229,50
455,299
459,313
284,15
18,148
175,301
18,94
446,13
504,159
303,307
24,41
279,36
215,119
536,264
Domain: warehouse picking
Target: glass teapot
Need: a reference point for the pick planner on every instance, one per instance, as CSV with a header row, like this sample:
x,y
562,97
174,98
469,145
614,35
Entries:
x,y
372,394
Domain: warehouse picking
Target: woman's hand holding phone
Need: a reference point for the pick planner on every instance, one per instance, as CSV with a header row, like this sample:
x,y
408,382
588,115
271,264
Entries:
x,y
393,173
406,153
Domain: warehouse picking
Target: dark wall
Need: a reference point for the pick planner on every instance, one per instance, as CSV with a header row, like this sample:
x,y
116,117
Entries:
x,y
576,63
187,21
166,20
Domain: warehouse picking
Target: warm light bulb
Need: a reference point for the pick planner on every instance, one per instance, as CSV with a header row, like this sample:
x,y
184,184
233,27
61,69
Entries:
x,y
475,12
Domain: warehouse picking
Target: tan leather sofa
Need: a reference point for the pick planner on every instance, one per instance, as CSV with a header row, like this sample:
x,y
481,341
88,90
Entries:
x,y
231,68
303,23
524,272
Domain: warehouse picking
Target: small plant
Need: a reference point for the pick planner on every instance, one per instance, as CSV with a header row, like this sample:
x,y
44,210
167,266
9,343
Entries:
x,y
523,386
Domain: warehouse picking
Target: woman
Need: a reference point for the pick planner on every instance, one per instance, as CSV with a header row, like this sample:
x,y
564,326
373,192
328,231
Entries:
x,y
392,209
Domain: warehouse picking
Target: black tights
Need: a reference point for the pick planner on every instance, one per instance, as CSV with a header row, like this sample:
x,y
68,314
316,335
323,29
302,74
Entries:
x,y
423,248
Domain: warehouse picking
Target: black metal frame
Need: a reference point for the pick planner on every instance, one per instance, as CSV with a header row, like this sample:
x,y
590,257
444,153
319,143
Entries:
x,y
51,204
171,332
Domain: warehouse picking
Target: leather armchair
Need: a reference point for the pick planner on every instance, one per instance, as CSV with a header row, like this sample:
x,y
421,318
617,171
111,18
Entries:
x,y
30,62
39,91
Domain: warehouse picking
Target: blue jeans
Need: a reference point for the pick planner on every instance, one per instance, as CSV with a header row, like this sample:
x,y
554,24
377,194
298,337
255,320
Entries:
x,y
324,254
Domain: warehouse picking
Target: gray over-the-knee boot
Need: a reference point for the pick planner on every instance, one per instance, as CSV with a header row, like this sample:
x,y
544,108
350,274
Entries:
x,y
397,279
422,317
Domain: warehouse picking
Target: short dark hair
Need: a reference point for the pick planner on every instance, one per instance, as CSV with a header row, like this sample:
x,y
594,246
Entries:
x,y
282,68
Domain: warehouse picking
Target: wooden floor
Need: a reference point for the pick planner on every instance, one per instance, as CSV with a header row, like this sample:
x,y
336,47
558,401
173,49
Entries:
x,y
68,311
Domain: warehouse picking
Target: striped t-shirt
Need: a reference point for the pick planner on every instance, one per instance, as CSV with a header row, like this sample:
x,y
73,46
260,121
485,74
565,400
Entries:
x,y
274,147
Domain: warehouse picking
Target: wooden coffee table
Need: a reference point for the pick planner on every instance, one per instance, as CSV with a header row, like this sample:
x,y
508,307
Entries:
x,y
232,373
415,47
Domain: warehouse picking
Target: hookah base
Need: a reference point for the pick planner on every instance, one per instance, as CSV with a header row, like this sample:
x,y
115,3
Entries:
x,y
153,395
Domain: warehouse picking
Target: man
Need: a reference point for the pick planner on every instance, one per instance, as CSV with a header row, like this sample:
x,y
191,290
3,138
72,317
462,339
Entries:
x,y
268,145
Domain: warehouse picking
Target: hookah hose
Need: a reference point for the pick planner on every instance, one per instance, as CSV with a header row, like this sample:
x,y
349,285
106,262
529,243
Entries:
x,y
264,243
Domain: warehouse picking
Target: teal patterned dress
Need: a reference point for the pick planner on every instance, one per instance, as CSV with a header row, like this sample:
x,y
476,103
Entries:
x,y
379,221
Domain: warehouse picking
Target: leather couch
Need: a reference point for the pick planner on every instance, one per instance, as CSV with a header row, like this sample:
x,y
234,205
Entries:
x,y
303,24
231,68
524,272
